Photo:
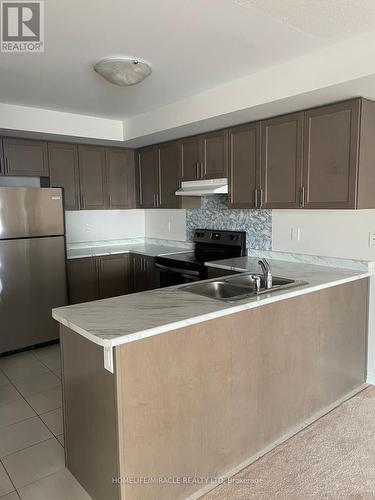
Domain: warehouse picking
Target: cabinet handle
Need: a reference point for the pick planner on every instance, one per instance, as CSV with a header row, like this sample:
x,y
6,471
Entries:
x,y
256,197
7,165
196,170
110,200
82,201
158,200
302,197
202,170
260,198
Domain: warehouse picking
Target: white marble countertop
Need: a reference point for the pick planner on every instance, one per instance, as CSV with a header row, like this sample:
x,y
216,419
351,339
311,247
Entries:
x,y
143,246
129,318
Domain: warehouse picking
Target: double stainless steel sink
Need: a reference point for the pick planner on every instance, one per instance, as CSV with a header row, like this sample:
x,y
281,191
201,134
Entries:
x,y
239,287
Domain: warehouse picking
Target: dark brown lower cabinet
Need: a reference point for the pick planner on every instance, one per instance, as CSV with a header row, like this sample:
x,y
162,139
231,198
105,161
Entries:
x,y
83,280
144,273
114,275
93,278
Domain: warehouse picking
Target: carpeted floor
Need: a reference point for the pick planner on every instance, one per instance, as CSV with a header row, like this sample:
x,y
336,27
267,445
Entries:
x,y
333,459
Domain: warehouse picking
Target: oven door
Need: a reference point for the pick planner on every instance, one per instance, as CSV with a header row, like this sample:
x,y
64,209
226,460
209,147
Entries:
x,y
169,276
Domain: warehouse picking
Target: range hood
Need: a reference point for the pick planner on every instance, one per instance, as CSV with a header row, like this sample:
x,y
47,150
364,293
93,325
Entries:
x,y
203,187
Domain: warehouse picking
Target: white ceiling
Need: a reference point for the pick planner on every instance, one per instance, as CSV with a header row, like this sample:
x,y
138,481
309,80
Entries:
x,y
333,19
192,45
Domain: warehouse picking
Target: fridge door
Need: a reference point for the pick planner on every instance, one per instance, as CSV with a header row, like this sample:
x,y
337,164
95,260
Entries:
x,y
32,282
28,212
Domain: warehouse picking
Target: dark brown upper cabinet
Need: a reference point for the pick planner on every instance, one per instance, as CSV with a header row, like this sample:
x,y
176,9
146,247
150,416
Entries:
x,y
244,163
63,171
92,177
214,162
204,156
169,174
190,158
26,158
147,177
120,178
330,155
281,162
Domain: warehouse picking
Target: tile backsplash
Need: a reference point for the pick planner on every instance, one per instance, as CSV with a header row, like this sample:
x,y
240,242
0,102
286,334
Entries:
x,y
215,214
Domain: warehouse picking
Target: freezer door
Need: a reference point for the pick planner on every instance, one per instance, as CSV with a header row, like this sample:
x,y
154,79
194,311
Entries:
x,y
32,282
28,212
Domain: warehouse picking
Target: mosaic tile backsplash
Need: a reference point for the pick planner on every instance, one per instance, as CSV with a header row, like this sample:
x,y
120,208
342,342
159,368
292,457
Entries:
x,y
215,214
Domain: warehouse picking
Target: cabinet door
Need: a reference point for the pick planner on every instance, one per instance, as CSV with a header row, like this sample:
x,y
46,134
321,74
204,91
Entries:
x,y
330,155
169,178
83,280
148,183
114,275
244,161
120,178
281,161
138,274
190,158
2,163
214,155
91,160
144,273
150,277
63,172
25,157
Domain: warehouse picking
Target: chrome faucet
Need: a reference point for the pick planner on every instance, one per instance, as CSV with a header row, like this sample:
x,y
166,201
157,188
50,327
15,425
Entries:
x,y
266,272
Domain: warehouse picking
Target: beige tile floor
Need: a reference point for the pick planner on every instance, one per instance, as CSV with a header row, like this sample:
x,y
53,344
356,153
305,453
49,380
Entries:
x,y
31,431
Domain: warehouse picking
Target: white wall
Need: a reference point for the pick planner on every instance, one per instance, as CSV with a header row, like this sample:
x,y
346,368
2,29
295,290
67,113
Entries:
x,y
319,70
331,233
86,225
47,121
167,224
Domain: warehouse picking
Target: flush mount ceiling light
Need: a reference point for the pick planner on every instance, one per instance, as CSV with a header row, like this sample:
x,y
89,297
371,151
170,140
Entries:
x,y
123,71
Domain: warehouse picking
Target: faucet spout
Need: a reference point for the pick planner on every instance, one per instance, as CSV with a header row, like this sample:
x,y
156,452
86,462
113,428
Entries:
x,y
266,269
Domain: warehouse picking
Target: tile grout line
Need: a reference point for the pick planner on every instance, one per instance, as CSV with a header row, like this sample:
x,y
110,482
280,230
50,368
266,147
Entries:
x,y
10,479
53,436
32,482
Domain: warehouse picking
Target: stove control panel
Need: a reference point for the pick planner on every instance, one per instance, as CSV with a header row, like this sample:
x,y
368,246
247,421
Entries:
x,y
211,236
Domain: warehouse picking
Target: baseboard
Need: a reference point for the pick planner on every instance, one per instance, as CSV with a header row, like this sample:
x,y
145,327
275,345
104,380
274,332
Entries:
x,y
282,439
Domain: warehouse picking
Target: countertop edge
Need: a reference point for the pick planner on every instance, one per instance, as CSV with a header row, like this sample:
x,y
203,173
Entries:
x,y
231,309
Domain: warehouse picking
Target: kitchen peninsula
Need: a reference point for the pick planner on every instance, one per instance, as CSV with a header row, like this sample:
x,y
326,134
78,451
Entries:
x,y
165,387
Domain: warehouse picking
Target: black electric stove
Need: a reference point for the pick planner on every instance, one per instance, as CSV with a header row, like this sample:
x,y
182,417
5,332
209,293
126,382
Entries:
x,y
209,245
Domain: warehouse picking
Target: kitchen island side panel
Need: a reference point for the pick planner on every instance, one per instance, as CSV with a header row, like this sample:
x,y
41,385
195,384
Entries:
x,y
90,416
201,400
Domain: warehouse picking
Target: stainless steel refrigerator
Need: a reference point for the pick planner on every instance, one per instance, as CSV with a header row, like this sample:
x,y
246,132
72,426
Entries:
x,y
32,265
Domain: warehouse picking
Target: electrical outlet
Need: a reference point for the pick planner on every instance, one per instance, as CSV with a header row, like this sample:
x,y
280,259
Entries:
x,y
371,239
295,234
